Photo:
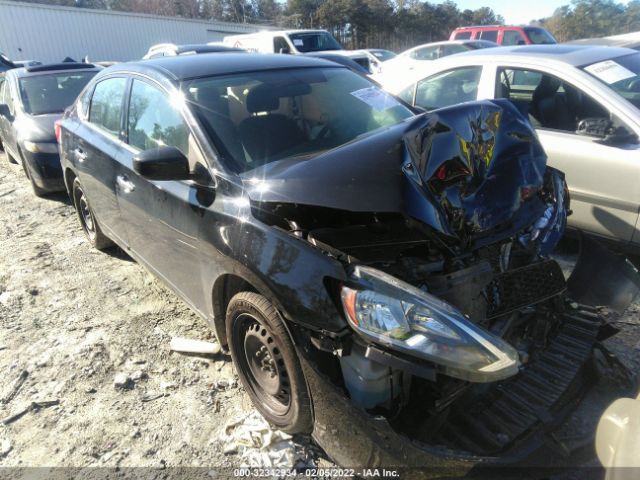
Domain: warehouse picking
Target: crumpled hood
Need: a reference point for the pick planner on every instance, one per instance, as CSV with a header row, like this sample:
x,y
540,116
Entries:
x,y
465,171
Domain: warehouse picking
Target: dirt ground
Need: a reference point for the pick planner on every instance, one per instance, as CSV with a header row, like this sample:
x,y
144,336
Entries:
x,y
79,321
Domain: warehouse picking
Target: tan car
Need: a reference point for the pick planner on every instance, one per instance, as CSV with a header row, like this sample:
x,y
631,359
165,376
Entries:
x,y
584,102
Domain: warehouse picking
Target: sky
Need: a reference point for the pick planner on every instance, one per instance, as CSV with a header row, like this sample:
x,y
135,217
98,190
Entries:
x,y
516,11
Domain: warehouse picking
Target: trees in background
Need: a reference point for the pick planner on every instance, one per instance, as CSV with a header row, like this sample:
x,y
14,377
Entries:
x,y
393,24
593,18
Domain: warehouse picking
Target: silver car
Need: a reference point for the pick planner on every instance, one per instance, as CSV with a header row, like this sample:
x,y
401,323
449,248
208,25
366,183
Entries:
x,y
585,104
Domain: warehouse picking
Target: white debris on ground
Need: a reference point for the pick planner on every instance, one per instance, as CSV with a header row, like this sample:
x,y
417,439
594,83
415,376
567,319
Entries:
x,y
258,445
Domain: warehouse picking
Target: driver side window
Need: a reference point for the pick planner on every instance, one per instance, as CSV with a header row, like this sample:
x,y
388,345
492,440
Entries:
x,y
448,88
550,101
280,44
427,53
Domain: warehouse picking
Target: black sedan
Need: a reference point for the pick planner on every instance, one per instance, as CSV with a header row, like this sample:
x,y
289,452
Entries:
x,y
31,100
380,279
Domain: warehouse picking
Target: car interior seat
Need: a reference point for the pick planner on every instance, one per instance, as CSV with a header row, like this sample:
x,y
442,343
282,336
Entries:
x,y
265,134
549,107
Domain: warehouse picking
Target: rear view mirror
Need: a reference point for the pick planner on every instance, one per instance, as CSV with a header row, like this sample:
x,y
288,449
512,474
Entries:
x,y
164,163
4,110
604,129
285,50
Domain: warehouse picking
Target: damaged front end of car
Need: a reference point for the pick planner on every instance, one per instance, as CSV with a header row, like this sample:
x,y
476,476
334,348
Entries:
x,y
463,347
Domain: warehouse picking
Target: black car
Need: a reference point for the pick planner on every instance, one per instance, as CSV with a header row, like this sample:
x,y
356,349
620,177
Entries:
x,y
380,279
31,100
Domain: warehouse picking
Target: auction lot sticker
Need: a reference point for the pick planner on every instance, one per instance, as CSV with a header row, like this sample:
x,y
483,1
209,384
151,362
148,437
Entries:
x,y
375,98
609,71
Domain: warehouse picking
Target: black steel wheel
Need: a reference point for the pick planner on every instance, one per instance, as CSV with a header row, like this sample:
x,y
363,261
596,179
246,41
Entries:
x,y
87,218
267,363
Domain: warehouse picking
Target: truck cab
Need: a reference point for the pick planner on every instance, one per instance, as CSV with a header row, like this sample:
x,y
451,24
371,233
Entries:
x,y
296,42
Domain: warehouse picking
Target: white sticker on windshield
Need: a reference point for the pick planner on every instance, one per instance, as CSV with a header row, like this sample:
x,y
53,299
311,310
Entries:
x,y
375,98
609,71
298,42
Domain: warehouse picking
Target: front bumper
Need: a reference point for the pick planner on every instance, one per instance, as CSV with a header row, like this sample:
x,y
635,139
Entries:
x,y
355,439
45,170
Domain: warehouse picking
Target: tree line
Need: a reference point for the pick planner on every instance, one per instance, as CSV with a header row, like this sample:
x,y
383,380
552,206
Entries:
x,y
392,24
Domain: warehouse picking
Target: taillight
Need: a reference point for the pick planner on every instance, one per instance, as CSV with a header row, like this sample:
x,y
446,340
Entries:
x,y
58,129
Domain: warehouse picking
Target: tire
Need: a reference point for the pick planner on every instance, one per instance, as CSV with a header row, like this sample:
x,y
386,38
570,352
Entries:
x,y
88,222
267,363
9,157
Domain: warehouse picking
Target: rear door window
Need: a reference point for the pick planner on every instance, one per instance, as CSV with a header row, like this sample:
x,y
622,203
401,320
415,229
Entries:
x,y
490,35
427,53
512,37
463,35
448,88
153,121
105,110
279,43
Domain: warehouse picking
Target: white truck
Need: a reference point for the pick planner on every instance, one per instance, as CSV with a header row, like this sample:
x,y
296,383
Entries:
x,y
297,42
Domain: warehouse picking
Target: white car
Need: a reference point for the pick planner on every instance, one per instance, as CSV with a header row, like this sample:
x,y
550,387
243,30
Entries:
x,y
418,56
584,102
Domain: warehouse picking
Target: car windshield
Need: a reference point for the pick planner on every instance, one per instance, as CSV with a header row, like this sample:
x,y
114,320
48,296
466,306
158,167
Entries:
x,y
314,41
539,36
621,74
260,117
383,55
52,93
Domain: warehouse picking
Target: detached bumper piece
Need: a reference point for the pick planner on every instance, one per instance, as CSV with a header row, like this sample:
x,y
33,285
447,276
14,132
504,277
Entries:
x,y
514,408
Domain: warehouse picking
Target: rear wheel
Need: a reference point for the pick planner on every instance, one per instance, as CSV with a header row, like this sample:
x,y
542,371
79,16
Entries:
x,y
267,363
87,219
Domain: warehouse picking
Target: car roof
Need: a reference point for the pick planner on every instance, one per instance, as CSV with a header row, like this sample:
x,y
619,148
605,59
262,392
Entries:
x,y
194,66
575,55
485,27
447,42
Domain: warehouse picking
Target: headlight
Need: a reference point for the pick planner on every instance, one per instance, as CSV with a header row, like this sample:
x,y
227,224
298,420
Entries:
x,y
40,147
393,313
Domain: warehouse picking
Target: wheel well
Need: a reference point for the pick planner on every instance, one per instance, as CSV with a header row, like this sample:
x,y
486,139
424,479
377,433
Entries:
x,y
225,287
69,177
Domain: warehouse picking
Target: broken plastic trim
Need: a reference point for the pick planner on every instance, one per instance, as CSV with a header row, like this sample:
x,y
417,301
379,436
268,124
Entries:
x,y
603,278
397,315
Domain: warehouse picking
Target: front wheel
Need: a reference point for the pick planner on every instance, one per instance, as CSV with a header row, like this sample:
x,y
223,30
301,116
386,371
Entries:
x,y
267,363
88,220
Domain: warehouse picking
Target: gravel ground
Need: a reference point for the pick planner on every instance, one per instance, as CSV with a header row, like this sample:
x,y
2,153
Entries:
x,y
78,321
92,331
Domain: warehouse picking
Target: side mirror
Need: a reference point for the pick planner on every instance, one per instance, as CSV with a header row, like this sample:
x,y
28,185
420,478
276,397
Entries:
x,y
605,131
164,163
4,110
285,50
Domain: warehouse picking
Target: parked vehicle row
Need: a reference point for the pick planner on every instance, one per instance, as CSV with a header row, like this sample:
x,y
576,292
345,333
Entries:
x,y
31,100
380,276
